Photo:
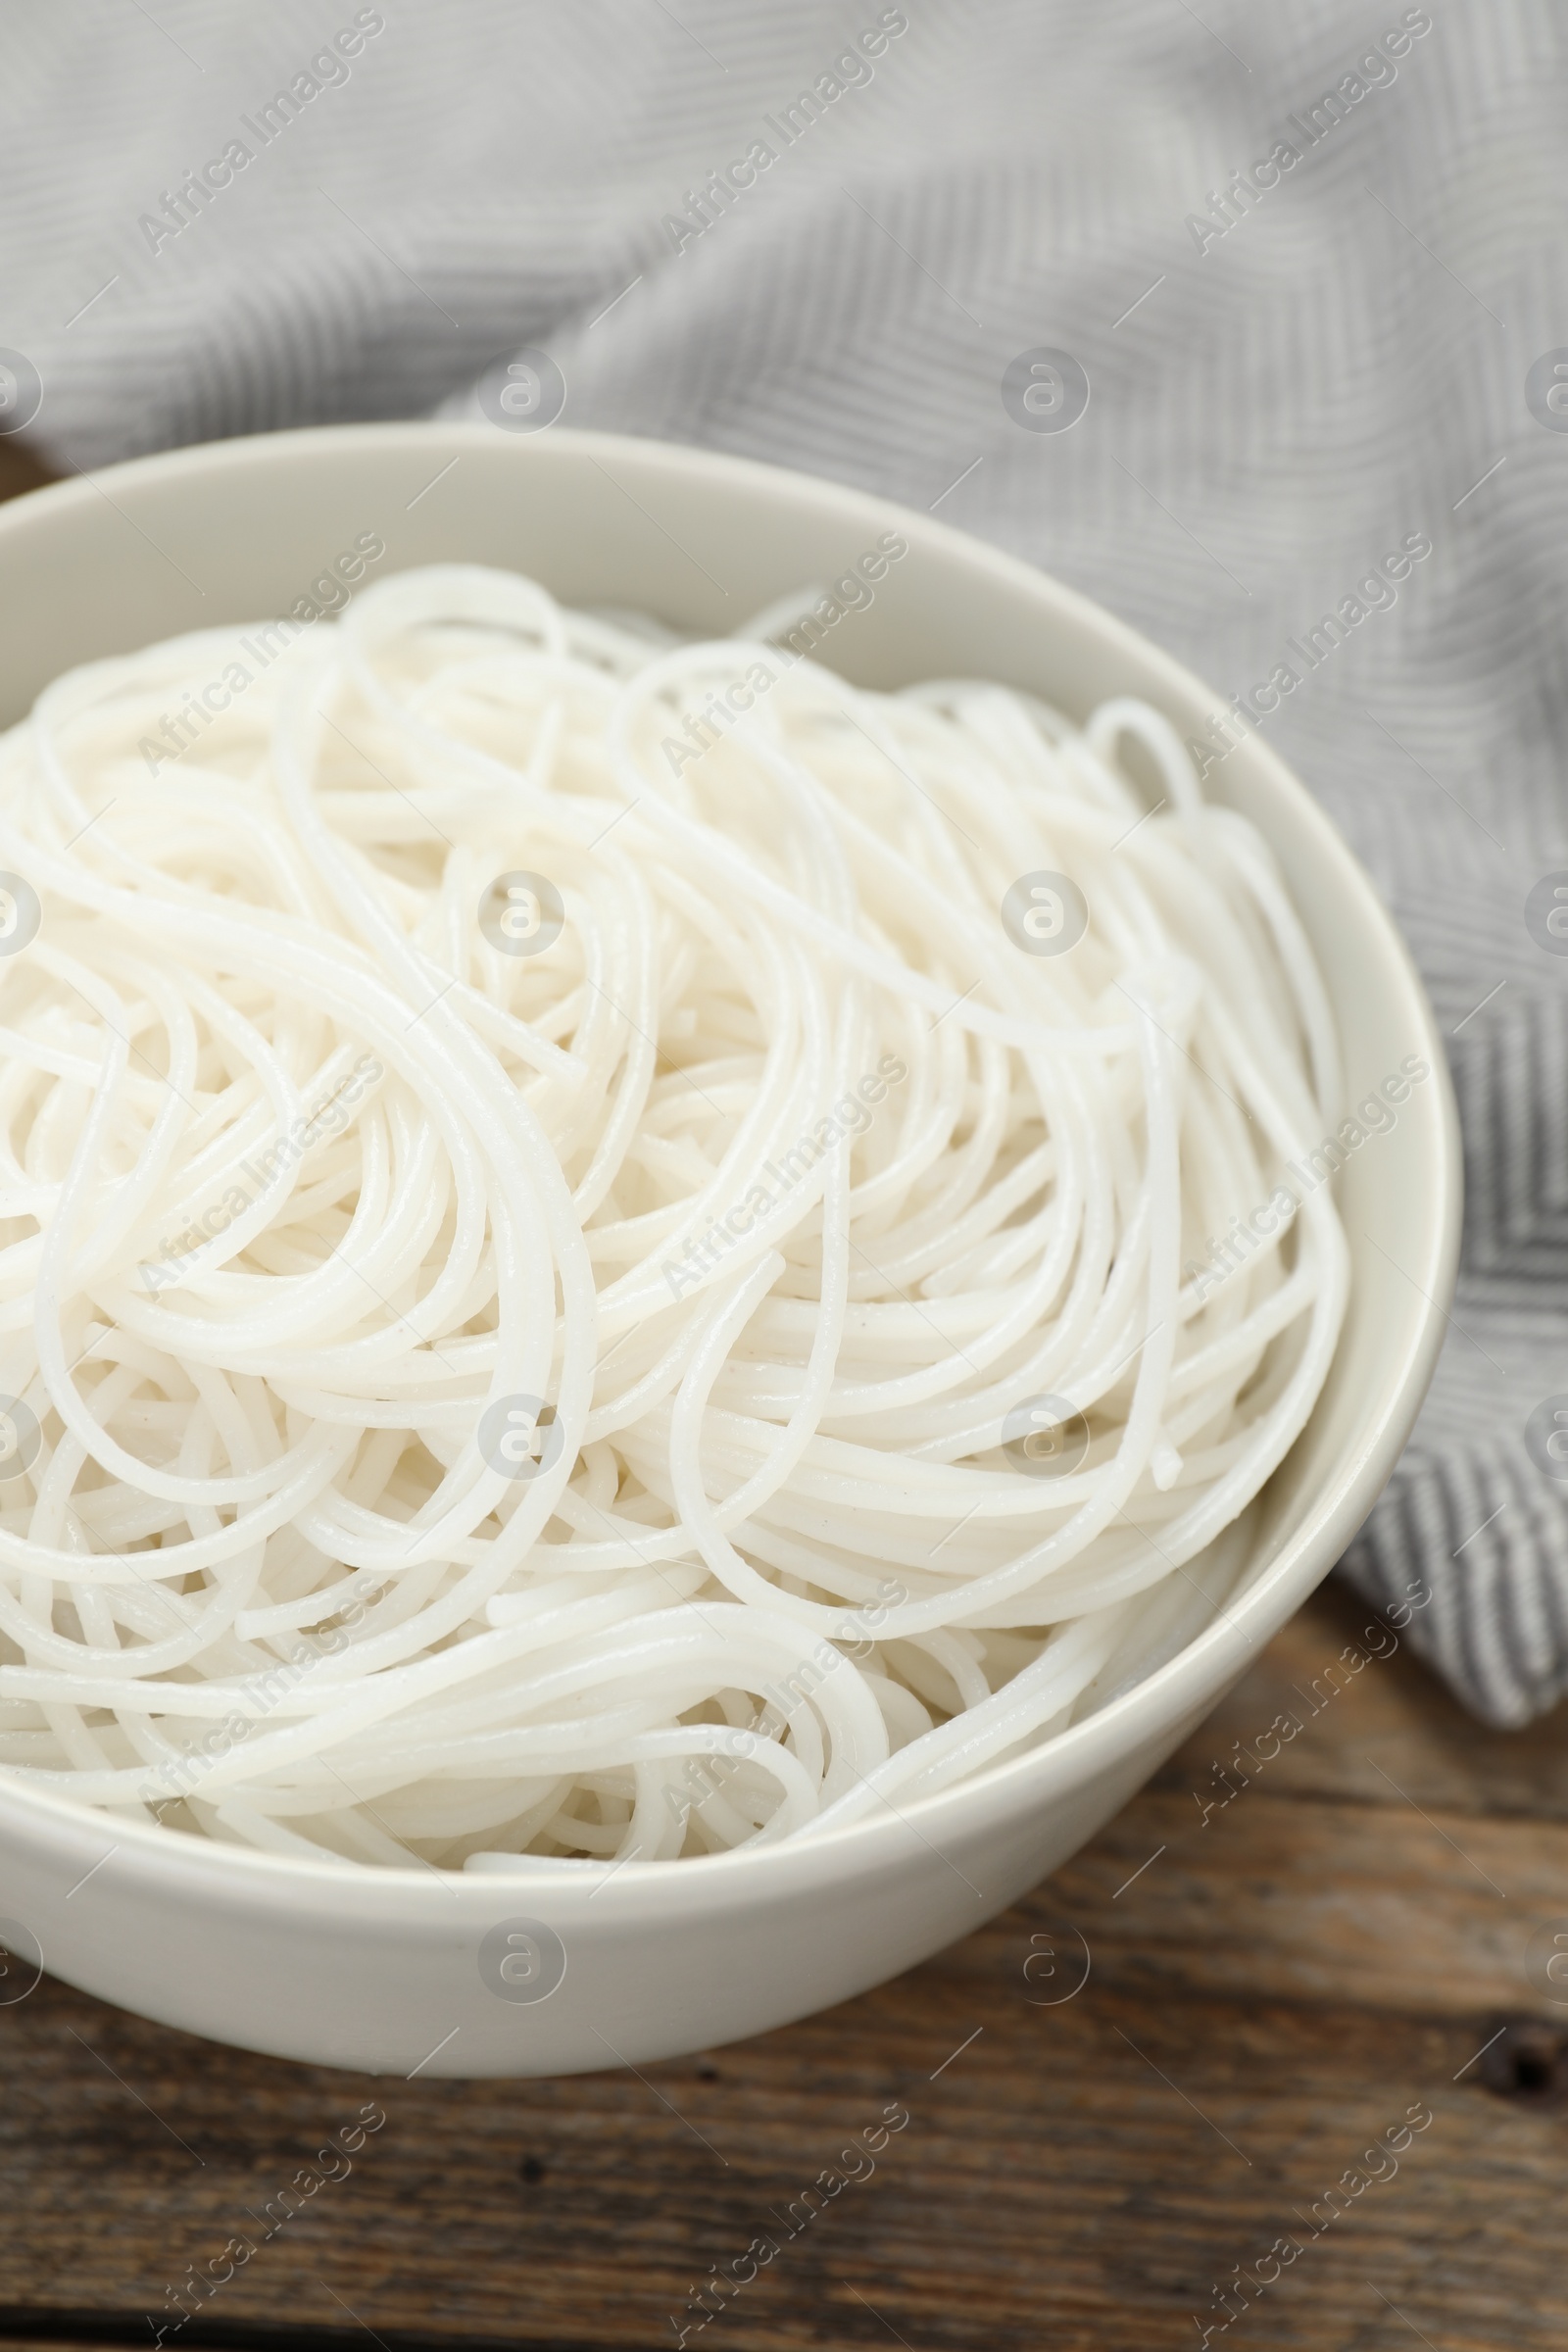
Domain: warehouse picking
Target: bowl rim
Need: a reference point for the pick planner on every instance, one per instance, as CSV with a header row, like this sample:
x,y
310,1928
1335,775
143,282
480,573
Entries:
x,y
1197,1674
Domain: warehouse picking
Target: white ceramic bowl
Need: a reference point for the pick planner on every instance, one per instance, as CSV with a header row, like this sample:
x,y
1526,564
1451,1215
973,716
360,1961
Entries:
x,y
377,1969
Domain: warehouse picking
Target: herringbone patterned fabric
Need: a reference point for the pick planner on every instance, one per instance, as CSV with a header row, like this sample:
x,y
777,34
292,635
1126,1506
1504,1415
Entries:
x,y
1307,258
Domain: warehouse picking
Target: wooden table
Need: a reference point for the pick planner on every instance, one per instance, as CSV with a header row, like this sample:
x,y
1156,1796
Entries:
x,y
1338,1942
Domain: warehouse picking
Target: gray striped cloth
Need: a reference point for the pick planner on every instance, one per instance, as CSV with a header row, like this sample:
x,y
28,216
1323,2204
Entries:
x,y
1307,262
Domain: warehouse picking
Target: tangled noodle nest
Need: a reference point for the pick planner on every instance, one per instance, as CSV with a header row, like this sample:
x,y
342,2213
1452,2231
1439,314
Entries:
x,y
567,1291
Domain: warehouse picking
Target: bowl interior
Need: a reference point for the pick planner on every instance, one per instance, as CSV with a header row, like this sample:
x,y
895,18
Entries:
x,y
241,530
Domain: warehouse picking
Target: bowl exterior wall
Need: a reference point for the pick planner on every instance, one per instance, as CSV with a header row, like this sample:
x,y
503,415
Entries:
x,y
382,1988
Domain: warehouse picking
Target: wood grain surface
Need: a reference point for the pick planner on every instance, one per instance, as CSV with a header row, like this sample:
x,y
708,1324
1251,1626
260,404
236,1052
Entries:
x,y
20,470
1120,2097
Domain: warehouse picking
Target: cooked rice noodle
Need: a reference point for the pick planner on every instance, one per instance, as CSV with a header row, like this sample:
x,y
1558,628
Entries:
x,y
539,1190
